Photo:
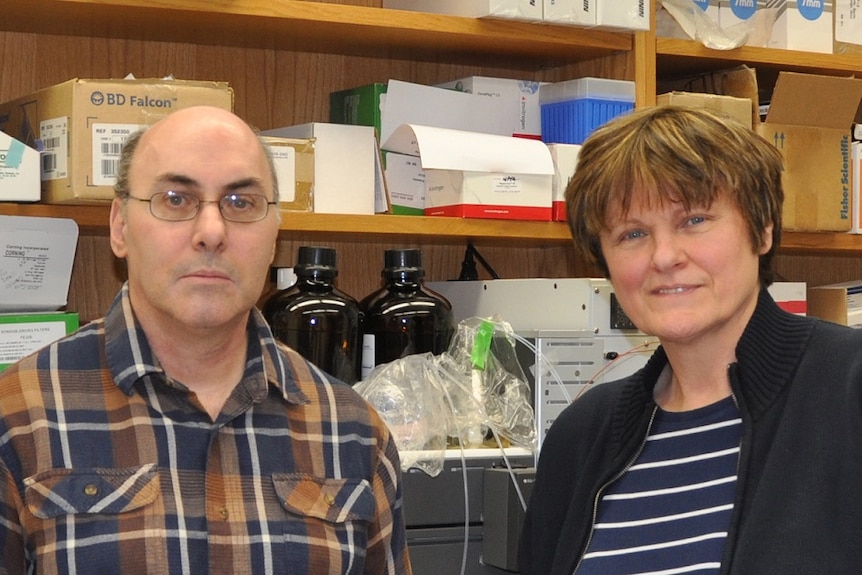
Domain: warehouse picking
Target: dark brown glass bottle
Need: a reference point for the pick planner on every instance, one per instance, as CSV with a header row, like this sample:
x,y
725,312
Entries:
x,y
403,317
317,319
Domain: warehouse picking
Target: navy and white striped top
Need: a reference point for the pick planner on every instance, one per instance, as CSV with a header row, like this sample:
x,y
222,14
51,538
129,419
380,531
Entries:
x,y
670,511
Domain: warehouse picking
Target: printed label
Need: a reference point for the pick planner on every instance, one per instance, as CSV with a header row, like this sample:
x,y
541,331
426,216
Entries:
x,y
54,136
108,140
20,339
284,158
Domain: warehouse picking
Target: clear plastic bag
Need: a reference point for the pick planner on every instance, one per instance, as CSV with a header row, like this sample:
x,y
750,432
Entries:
x,y
473,395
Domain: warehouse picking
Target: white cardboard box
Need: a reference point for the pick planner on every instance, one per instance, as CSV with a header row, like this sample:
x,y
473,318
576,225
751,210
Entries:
x,y
790,296
732,12
848,27
345,160
803,25
624,14
476,175
405,182
19,171
709,7
514,9
520,98
36,257
576,12
565,158
409,103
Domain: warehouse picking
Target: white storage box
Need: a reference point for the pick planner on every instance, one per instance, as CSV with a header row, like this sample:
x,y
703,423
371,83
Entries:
x,y
512,9
565,158
19,171
345,159
520,99
803,25
475,175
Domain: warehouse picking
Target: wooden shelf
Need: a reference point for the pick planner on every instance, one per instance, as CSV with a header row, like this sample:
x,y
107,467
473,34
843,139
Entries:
x,y
317,27
93,219
682,57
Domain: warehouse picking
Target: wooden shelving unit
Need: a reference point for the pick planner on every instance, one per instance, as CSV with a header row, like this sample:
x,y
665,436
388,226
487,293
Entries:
x,y
283,58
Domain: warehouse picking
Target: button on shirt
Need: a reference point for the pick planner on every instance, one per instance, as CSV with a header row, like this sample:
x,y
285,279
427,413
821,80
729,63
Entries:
x,y
107,466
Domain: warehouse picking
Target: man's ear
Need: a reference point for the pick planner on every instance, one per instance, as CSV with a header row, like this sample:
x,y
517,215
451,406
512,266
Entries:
x,y
118,227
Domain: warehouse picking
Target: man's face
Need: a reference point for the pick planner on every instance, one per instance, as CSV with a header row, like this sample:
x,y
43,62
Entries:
x,y
205,272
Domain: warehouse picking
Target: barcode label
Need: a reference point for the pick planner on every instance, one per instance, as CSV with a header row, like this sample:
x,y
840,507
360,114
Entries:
x,y
109,168
111,148
49,162
51,143
54,134
108,140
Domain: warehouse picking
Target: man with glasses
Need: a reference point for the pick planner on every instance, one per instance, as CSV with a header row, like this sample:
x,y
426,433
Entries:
x,y
175,435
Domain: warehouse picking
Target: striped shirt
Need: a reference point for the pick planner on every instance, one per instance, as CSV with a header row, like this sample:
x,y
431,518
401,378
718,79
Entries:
x,y
107,466
669,513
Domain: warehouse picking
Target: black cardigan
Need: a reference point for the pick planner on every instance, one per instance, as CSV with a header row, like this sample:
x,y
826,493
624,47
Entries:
x,y
798,508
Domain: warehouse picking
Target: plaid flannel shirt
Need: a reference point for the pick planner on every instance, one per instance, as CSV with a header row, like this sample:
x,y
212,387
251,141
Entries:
x,y
108,466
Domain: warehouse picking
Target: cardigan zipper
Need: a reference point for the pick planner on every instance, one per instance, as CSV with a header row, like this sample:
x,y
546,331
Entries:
x,y
607,484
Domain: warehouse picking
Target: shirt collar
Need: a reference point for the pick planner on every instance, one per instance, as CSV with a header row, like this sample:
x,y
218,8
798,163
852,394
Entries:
x,y
130,357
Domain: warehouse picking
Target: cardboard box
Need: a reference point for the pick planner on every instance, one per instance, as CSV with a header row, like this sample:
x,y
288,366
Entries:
x,y
790,296
81,126
848,27
709,8
345,160
476,175
738,109
856,186
565,158
747,20
803,25
520,98
360,106
576,12
22,334
409,103
809,121
624,14
513,9
839,303
19,171
739,82
294,168
733,12
405,183
36,257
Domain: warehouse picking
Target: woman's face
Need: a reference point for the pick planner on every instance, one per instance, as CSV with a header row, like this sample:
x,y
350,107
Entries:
x,y
684,276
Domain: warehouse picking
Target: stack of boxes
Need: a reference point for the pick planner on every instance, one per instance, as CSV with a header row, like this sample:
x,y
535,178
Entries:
x,y
489,169
819,26
36,256
612,14
79,127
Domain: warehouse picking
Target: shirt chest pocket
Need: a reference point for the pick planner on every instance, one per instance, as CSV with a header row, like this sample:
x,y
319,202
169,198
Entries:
x,y
57,492
326,523
331,500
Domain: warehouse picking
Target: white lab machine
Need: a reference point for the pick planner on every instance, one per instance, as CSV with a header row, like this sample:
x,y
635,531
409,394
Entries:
x,y
576,333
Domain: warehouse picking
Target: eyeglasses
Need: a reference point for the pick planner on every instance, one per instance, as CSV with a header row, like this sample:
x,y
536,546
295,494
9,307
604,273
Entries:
x,y
179,206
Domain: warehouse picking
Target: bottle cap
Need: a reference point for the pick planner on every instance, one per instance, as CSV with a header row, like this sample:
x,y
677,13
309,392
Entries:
x,y
402,260
310,259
